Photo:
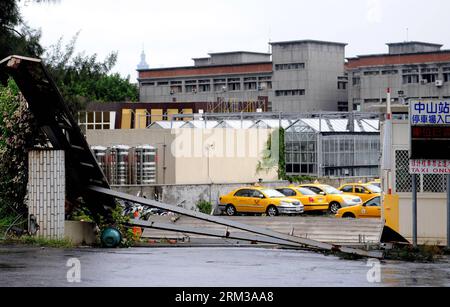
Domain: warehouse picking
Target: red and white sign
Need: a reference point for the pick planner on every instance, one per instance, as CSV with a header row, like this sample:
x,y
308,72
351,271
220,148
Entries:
x,y
432,167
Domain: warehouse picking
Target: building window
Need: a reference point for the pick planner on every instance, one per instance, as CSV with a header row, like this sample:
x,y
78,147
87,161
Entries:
x,y
290,93
410,79
163,83
411,70
234,84
148,84
342,85
430,70
191,86
342,106
356,81
251,84
290,66
447,77
429,78
301,153
220,85
204,85
264,83
389,72
372,100
371,73
174,89
94,121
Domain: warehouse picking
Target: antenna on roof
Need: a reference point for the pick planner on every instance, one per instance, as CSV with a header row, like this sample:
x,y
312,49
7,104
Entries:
x,y
407,34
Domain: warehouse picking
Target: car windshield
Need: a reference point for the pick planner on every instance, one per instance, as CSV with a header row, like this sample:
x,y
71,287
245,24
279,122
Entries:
x,y
272,193
374,189
306,192
330,190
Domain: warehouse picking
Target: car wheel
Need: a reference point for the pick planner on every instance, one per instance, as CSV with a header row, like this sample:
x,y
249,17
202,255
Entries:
x,y
334,207
349,215
272,211
230,210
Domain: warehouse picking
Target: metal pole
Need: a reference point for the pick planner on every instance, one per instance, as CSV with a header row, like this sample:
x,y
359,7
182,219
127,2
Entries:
x,y
448,211
414,206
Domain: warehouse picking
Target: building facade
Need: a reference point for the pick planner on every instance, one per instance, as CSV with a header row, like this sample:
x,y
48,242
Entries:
x,y
309,76
412,70
299,76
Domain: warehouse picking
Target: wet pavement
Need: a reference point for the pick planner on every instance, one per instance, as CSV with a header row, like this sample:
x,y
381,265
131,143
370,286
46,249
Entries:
x,y
215,267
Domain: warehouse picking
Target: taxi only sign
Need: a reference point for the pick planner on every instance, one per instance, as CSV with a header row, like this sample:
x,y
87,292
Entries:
x,y
430,137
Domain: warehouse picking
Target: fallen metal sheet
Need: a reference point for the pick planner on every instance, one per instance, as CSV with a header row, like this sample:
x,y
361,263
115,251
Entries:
x,y
227,234
56,121
218,220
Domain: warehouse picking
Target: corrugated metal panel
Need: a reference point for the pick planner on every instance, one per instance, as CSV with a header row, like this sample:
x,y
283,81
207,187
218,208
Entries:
x,y
371,125
339,125
200,124
235,124
166,125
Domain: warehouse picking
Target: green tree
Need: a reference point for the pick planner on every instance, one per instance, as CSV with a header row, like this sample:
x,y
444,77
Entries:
x,y
83,78
16,37
18,133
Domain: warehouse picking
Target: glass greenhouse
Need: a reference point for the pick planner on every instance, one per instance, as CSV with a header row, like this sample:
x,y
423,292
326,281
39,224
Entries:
x,y
333,148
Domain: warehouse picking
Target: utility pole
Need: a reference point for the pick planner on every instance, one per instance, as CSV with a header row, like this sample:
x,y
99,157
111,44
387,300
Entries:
x,y
414,208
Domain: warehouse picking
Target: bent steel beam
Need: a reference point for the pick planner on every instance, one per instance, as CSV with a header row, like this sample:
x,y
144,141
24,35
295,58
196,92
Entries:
x,y
221,221
227,234
62,131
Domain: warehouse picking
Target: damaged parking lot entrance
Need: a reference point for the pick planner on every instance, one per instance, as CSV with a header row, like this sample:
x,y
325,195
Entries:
x,y
87,180
272,236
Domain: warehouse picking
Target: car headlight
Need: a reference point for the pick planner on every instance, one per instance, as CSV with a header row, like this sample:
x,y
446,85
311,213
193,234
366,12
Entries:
x,y
285,204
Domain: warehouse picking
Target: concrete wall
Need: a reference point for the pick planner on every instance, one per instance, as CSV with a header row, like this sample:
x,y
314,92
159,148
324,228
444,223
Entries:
x,y
184,159
80,233
189,195
47,192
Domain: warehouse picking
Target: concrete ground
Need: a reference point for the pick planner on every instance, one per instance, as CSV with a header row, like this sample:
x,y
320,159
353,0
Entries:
x,y
196,267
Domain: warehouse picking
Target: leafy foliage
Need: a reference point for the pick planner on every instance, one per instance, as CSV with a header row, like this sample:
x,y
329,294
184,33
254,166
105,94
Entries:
x,y
270,155
204,206
16,37
17,134
83,78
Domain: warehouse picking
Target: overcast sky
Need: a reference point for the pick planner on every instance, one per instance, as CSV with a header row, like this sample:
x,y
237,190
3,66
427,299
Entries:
x,y
174,31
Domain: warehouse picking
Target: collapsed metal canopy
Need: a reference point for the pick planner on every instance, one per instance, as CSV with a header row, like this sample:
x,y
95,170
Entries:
x,y
86,179
55,119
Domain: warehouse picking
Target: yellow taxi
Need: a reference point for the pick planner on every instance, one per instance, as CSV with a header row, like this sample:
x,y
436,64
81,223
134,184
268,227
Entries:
x,y
309,199
365,191
335,198
259,200
370,209
376,182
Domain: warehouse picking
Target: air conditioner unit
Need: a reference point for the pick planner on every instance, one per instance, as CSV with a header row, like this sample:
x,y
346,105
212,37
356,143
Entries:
x,y
439,83
224,88
194,90
262,88
424,81
172,92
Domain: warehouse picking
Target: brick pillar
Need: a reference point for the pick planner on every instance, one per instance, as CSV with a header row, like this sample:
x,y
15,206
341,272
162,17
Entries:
x,y
46,191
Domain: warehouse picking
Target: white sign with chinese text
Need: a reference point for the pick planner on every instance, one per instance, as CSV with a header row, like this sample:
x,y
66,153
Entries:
x,y
430,136
431,113
432,167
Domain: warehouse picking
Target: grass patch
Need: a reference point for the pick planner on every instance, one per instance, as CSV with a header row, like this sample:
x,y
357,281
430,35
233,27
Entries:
x,y
423,253
41,242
